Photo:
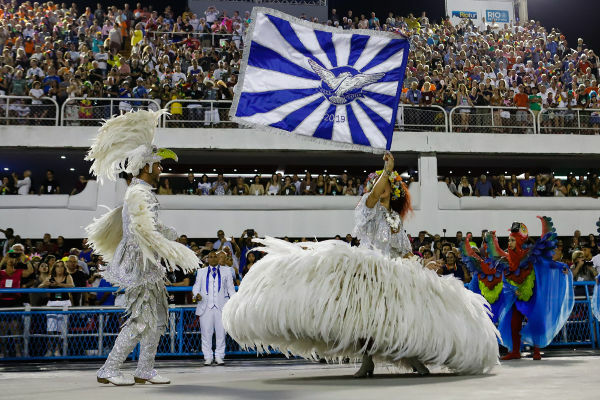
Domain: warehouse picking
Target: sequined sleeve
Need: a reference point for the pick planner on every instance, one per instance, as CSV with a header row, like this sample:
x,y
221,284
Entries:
x,y
363,221
167,231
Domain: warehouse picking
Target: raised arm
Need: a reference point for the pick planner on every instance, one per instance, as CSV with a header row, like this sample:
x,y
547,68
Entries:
x,y
379,187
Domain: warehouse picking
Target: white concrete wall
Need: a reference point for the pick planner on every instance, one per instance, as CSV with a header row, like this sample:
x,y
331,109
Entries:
x,y
253,139
435,208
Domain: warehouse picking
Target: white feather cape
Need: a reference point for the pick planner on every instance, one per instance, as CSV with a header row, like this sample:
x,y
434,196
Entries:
x,y
155,240
327,298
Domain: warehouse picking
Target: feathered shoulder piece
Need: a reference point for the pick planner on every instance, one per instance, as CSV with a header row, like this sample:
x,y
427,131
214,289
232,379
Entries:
x,y
125,144
152,236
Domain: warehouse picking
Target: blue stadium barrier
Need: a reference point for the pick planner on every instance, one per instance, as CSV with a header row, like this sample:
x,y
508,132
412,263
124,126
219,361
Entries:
x,y
52,333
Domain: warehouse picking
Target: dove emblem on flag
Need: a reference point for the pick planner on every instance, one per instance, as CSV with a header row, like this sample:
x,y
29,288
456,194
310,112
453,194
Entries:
x,y
346,86
313,80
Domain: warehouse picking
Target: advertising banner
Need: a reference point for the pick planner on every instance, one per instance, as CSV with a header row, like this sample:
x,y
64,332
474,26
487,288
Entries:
x,y
500,11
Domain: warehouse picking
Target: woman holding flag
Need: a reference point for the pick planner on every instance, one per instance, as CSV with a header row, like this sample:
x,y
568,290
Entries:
x,y
330,300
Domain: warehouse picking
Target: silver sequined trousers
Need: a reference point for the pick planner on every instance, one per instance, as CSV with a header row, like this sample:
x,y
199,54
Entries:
x,y
147,308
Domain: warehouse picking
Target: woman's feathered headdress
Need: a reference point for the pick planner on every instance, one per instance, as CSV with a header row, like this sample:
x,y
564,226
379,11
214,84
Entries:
x,y
125,144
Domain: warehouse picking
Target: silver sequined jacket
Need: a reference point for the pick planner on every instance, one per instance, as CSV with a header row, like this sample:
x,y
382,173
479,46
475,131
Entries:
x,y
373,231
127,268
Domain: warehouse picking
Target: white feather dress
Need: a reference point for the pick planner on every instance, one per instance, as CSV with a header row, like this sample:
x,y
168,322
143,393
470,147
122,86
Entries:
x,y
330,300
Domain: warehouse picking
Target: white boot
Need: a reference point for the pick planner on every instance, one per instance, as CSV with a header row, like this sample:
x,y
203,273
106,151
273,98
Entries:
x,y
219,361
208,362
156,380
119,380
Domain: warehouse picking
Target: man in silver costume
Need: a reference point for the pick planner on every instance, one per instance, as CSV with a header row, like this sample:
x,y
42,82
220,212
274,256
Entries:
x,y
137,246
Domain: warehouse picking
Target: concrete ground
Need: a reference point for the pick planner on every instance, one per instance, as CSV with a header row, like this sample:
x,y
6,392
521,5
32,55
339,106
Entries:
x,y
561,376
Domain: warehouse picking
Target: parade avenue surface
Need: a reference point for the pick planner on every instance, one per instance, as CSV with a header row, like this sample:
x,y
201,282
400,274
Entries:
x,y
560,376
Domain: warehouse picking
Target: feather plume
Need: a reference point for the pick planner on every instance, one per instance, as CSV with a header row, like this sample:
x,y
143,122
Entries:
x,y
124,144
331,299
105,233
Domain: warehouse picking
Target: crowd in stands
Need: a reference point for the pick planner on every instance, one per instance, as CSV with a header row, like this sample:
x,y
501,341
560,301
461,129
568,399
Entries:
x,y
54,264
289,185
239,252
539,185
24,184
62,51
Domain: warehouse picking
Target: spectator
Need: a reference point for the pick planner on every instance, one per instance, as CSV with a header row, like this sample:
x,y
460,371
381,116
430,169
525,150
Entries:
x,y
333,187
204,186
256,188
452,267
464,187
307,187
288,189
527,185
7,186
80,185
165,187
219,187
105,298
56,324
78,277
484,187
190,186
10,278
50,185
350,189
273,187
240,188
582,268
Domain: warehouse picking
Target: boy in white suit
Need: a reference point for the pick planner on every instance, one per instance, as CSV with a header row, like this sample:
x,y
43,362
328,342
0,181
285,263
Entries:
x,y
213,288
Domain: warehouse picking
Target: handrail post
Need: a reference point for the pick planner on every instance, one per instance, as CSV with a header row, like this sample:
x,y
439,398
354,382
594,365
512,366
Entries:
x,y
65,330
180,331
172,331
26,329
450,124
100,333
7,107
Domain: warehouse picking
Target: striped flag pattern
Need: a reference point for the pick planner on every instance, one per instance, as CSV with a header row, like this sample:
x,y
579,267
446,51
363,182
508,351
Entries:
x,y
326,83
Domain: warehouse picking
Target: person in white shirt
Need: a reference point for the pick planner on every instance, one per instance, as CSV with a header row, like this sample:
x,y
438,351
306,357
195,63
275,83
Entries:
x,y
23,185
211,15
34,71
212,289
177,76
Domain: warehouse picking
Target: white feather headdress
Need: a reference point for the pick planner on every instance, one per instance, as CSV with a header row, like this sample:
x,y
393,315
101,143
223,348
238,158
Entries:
x,y
125,144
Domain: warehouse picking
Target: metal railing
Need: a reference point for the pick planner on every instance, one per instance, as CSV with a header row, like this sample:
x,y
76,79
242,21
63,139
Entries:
x,y
569,121
482,119
25,110
92,111
411,118
187,113
35,333
198,114
207,39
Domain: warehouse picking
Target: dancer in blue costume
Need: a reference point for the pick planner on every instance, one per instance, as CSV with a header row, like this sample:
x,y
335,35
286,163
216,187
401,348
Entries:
x,y
487,276
535,287
596,297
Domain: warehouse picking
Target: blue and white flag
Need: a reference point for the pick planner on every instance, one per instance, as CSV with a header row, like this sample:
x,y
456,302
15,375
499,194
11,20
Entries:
x,y
308,79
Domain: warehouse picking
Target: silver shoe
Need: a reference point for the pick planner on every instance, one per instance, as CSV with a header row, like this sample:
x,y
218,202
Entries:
x,y
155,380
119,380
